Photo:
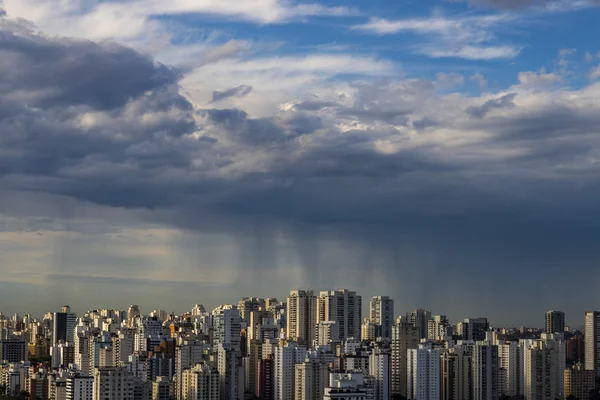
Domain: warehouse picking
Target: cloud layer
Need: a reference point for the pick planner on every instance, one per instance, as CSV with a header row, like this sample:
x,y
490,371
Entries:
x,y
295,170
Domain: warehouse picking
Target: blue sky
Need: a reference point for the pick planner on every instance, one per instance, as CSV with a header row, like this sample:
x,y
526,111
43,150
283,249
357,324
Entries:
x,y
444,153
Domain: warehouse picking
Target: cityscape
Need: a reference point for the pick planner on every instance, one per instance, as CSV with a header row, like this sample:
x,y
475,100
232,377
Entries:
x,y
299,200
309,346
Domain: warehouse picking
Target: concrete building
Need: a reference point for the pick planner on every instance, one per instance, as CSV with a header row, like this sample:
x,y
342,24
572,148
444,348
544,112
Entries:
x,y
555,321
63,326
345,308
228,372
380,368
301,316
285,357
310,380
456,373
161,389
382,314
227,327
201,382
592,341
423,373
80,387
420,320
346,386
13,351
439,328
486,372
113,383
512,375
579,382
327,332
368,330
474,329
544,368
404,337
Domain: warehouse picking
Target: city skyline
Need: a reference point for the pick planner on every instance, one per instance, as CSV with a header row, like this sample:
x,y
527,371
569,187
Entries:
x,y
443,153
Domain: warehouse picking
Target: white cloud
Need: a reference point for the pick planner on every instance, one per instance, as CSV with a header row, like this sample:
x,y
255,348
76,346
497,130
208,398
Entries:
x,y
460,37
480,79
595,74
472,52
588,57
532,79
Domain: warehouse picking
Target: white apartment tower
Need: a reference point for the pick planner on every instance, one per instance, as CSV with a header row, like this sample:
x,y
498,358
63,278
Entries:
x,y
285,357
423,373
200,383
592,341
382,314
80,388
301,316
345,308
113,383
380,367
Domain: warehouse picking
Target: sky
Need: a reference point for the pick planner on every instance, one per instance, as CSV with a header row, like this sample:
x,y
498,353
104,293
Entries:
x,y
167,153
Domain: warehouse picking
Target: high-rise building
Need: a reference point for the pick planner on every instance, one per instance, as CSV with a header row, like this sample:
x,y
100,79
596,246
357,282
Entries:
x,y
382,314
347,386
380,368
249,304
404,337
474,329
456,373
345,308
327,332
228,371
511,357
310,380
423,373
114,383
439,328
301,316
555,321
485,372
161,389
201,382
266,381
80,387
579,382
420,319
368,330
63,326
286,356
13,351
227,327
592,341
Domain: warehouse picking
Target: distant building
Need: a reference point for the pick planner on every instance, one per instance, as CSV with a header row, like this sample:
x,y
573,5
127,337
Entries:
x,y
301,316
423,373
113,383
13,351
80,387
345,308
555,321
382,314
310,380
200,383
579,382
474,329
592,341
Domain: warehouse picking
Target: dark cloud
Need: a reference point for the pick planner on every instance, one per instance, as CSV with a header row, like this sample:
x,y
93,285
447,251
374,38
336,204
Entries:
x,y
238,91
392,176
50,72
506,101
